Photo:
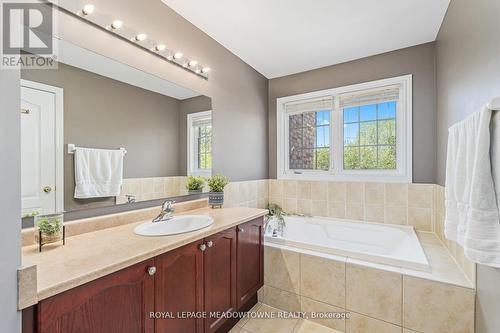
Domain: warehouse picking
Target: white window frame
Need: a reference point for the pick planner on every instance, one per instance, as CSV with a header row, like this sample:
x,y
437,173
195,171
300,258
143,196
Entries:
x,y
403,171
192,147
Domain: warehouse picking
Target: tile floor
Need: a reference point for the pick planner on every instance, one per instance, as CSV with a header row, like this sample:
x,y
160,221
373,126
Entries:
x,y
277,325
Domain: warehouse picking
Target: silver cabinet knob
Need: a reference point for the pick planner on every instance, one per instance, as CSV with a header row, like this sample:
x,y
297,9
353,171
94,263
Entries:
x,y
203,247
210,244
151,270
241,229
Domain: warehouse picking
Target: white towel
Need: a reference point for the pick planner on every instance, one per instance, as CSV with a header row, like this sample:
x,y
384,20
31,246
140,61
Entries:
x,y
98,172
472,216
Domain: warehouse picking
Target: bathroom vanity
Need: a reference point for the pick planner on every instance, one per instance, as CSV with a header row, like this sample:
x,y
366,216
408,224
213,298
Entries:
x,y
179,283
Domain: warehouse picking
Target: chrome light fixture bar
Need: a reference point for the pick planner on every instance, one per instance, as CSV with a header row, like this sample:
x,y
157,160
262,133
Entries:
x,y
89,12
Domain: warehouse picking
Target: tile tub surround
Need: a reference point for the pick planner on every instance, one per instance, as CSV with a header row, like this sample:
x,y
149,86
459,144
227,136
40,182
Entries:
x,y
456,250
378,298
253,194
89,256
396,203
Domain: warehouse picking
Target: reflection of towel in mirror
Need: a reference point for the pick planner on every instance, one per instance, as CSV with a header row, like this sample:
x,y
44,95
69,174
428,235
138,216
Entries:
x,y
472,216
98,172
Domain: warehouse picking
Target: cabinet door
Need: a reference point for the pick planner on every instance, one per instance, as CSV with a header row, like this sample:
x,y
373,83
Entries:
x,y
179,289
119,302
250,250
220,277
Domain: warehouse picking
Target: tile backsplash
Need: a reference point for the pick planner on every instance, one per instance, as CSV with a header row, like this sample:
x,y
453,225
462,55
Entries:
x,y
152,188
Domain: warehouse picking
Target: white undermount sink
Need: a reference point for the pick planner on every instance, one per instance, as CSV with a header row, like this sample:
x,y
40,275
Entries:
x,y
176,225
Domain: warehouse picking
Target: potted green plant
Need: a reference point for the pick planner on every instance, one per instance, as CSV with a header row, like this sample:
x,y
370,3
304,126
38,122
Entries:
x,y
49,228
216,184
275,222
195,184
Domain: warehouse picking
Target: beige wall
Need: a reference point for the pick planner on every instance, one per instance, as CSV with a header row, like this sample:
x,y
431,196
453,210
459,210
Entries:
x,y
417,60
468,76
238,92
104,113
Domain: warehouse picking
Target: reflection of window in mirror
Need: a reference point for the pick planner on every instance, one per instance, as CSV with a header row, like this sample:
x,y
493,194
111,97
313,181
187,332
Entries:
x,y
200,143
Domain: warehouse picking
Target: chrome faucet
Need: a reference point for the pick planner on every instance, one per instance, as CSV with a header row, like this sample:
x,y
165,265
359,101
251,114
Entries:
x,y
166,213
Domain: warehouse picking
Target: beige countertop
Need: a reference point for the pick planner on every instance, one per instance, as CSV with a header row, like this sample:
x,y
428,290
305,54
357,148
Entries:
x,y
91,255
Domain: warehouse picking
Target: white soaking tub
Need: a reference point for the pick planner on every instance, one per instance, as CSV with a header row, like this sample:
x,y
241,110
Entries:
x,y
389,244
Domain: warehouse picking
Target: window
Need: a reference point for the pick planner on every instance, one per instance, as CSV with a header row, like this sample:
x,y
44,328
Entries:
x,y
200,143
359,132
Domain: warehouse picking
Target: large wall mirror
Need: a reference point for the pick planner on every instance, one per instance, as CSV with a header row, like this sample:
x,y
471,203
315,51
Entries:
x,y
99,133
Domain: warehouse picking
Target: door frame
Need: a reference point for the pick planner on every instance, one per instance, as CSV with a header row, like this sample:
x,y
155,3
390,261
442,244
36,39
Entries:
x,y
59,126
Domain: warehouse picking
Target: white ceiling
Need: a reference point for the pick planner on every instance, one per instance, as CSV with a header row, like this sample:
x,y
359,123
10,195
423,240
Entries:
x,y
282,37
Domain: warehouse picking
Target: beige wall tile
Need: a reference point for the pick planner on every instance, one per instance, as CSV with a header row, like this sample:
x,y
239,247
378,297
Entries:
x,y
262,189
374,193
319,208
420,218
336,209
304,207
290,189
282,269
396,215
323,280
304,190
355,193
311,306
420,195
355,211
336,192
319,191
434,307
281,299
405,330
374,213
276,200
396,194
357,323
275,188
374,292
290,205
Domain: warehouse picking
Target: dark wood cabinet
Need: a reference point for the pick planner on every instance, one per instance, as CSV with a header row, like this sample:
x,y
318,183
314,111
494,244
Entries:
x,y
219,260
218,274
179,290
250,254
119,302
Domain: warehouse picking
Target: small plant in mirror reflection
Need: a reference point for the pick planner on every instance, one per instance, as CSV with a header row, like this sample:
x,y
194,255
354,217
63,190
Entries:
x,y
195,183
216,183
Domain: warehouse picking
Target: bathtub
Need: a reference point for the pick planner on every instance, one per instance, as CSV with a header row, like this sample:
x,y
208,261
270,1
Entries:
x,y
389,244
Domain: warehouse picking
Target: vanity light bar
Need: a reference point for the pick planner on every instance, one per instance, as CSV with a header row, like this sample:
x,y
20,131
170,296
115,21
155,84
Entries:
x,y
89,13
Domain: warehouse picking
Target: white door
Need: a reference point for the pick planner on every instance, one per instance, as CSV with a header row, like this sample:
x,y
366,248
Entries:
x,y
39,149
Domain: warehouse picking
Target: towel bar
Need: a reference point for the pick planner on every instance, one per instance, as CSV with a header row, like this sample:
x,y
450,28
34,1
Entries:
x,y
72,148
494,104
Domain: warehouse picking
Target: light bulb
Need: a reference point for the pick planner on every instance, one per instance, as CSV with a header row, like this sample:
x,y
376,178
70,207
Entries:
x,y
141,37
193,63
205,70
197,71
88,9
117,24
160,47
178,55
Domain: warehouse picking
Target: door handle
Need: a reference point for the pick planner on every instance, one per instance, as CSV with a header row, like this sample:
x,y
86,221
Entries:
x,y
47,189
